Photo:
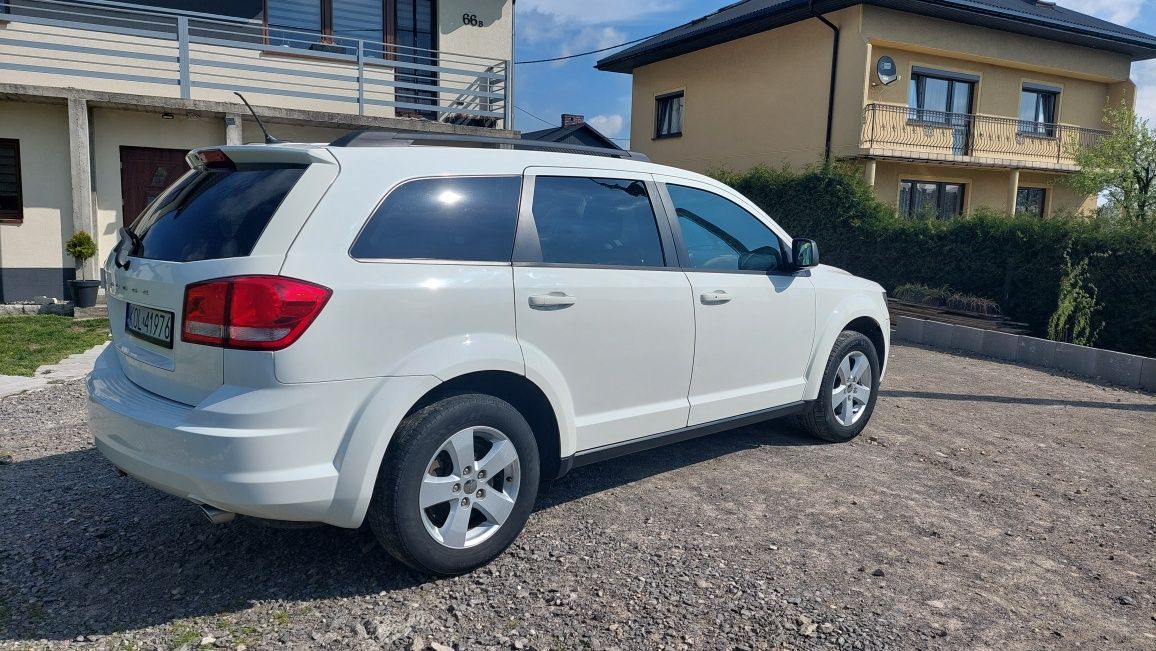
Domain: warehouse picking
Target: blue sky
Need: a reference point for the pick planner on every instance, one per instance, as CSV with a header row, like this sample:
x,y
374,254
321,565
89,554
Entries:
x,y
550,28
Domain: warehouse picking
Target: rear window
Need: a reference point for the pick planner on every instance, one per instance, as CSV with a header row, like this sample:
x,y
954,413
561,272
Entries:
x,y
214,213
466,218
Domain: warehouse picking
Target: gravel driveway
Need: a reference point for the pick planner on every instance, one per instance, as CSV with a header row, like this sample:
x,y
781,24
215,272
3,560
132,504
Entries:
x,y
988,506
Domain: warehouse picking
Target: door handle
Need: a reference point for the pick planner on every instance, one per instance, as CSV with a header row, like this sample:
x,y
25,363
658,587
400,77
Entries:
x,y
717,297
553,300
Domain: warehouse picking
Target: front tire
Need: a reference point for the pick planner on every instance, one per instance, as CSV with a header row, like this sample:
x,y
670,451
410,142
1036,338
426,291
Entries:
x,y
457,485
848,393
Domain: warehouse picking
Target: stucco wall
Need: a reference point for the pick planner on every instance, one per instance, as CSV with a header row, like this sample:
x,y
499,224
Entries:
x,y
42,130
112,129
771,109
989,189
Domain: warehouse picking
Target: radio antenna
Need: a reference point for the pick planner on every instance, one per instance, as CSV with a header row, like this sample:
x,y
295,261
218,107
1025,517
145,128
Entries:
x,y
269,140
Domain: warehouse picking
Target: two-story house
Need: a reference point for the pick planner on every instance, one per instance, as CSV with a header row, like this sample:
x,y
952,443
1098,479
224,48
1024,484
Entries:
x,y
947,106
100,99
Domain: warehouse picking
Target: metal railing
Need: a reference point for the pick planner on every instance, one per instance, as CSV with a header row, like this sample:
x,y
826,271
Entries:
x,y
919,131
200,56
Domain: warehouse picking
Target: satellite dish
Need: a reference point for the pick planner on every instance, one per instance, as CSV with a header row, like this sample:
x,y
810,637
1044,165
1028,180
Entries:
x,y
886,70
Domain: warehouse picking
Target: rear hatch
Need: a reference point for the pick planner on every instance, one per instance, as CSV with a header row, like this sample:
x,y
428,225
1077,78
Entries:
x,y
235,212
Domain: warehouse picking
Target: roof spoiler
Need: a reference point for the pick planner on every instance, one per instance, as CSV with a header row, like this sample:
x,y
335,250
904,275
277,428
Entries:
x,y
376,138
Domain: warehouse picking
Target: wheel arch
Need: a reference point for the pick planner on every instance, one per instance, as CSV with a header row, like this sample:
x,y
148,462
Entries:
x,y
856,315
522,394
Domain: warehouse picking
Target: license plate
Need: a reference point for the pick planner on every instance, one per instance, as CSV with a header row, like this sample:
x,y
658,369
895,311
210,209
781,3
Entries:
x,y
155,326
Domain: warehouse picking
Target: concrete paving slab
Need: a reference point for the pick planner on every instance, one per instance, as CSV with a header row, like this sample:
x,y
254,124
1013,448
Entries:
x,y
969,339
1119,368
1001,345
1080,360
72,367
937,334
909,329
1038,352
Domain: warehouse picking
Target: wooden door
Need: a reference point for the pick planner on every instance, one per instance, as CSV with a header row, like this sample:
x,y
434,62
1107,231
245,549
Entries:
x,y
145,172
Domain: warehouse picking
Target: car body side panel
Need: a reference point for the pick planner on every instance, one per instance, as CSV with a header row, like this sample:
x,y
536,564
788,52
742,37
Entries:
x,y
840,298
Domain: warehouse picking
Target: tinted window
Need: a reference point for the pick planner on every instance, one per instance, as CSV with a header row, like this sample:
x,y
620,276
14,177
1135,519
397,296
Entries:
x,y
444,219
596,221
927,199
721,235
215,213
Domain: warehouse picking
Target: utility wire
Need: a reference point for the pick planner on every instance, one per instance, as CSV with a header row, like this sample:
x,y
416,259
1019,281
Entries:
x,y
551,124
582,54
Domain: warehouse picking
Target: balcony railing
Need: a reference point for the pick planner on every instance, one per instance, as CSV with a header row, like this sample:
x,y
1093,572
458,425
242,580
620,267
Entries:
x,y
960,137
118,47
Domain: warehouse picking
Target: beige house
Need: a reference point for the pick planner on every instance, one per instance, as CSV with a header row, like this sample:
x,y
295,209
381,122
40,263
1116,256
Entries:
x,y
101,99
947,106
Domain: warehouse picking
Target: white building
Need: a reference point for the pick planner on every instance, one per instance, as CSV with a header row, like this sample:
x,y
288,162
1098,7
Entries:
x,y
100,100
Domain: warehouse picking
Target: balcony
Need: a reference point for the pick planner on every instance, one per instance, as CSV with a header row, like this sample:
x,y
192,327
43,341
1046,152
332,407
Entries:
x,y
114,47
904,133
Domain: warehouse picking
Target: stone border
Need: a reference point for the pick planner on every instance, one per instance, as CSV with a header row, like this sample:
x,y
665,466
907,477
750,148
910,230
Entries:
x,y
17,309
1121,369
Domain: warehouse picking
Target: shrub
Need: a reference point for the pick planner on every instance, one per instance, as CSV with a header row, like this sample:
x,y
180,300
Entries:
x,y
1015,261
81,246
1074,320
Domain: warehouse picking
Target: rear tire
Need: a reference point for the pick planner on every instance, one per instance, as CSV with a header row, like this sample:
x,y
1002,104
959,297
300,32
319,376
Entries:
x,y
847,395
456,486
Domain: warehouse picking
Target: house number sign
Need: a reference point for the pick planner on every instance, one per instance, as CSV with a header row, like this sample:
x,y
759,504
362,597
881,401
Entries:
x,y
472,20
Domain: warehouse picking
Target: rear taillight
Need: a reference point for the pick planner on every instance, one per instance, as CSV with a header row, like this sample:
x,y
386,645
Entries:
x,y
250,312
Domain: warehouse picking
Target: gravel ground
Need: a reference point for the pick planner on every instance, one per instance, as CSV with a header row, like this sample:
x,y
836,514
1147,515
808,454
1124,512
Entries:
x,y
987,506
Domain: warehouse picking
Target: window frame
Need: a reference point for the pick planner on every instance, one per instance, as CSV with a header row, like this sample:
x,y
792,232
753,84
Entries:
x,y
388,27
1036,128
680,239
15,216
918,113
1043,200
528,248
659,100
941,195
442,261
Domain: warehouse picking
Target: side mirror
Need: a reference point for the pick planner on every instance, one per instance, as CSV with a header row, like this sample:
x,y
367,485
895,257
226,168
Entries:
x,y
804,253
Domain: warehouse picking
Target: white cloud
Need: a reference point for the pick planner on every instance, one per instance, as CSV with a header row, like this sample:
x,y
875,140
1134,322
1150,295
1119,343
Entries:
x,y
1144,74
590,12
610,125
1120,12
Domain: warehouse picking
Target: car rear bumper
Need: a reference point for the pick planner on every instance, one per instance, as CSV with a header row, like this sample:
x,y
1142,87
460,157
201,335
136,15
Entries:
x,y
272,452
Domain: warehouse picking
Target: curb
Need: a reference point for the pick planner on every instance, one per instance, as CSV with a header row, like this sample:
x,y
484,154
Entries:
x,y
1108,366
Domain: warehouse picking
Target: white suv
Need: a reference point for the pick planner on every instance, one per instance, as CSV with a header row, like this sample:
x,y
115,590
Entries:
x,y
414,335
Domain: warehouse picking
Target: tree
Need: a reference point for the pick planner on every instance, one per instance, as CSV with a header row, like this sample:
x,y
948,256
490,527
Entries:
x,y
1121,165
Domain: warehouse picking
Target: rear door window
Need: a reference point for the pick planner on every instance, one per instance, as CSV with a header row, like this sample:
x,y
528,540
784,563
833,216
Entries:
x,y
214,213
465,218
596,221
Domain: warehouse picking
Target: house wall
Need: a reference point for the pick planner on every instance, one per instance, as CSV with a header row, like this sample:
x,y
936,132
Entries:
x,y
771,109
32,258
986,189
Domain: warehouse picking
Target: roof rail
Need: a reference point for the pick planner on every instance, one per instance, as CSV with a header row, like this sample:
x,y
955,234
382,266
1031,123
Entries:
x,y
382,138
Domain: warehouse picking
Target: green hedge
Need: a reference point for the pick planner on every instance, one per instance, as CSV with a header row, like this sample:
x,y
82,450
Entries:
x,y
1016,261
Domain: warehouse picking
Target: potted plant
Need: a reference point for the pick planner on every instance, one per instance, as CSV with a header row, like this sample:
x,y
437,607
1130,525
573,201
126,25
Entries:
x,y
81,247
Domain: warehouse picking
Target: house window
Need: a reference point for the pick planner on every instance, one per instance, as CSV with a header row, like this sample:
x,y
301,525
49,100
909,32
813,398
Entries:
x,y
1038,110
11,199
668,109
925,199
337,25
935,98
1030,201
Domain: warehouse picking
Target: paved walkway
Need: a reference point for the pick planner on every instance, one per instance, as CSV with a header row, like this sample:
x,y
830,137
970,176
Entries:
x,y
72,367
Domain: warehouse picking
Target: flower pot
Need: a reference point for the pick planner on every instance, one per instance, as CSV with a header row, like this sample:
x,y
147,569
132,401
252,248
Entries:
x,y
84,292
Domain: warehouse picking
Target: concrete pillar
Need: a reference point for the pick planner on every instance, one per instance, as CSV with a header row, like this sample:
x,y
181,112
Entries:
x,y
81,166
233,134
869,172
1013,186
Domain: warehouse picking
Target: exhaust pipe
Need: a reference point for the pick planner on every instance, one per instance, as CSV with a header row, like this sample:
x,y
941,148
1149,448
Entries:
x,y
217,516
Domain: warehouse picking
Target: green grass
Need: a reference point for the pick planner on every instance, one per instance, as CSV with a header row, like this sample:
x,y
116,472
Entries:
x,y
27,342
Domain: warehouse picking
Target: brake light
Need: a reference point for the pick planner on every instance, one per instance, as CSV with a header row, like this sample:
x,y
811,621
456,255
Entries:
x,y
250,312
215,159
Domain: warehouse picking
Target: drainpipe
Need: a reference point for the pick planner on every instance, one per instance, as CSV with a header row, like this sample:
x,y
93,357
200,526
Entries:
x,y
834,75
